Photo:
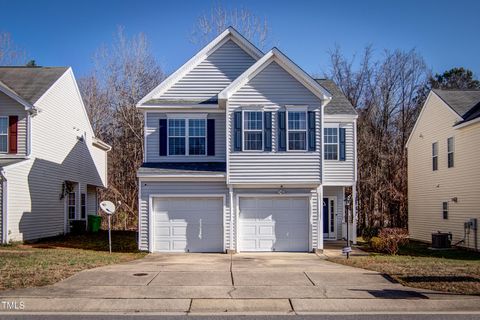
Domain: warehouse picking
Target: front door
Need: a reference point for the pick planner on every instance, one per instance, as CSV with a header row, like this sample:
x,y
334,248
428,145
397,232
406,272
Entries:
x,y
329,218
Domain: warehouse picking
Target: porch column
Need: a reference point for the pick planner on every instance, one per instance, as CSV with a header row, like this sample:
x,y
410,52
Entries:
x,y
320,218
354,213
232,212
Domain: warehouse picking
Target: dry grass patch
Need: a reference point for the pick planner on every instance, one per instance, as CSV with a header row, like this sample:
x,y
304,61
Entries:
x,y
52,260
455,271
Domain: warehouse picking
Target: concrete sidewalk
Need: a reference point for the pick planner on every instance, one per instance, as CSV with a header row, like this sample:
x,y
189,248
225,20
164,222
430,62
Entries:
x,y
279,283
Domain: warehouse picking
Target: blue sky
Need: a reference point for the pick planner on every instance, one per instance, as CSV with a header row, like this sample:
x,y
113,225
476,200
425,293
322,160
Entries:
x,y
68,32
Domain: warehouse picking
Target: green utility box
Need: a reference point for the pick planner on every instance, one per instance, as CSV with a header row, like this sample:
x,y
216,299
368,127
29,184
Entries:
x,y
94,223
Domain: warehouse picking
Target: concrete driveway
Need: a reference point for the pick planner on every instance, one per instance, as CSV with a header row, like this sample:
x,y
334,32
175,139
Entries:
x,y
267,282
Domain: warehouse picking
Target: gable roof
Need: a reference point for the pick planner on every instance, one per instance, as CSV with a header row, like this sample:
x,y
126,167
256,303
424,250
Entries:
x,y
30,83
339,105
230,33
461,101
276,55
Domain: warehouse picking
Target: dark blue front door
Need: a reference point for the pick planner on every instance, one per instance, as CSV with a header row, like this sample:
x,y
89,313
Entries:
x,y
325,215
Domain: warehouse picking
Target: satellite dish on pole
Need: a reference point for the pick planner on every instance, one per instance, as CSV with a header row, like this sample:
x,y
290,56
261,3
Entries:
x,y
109,208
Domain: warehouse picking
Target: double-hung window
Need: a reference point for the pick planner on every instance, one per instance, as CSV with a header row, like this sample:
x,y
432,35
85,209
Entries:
x,y
450,150
3,134
187,137
83,206
253,130
330,135
71,205
435,156
445,210
297,130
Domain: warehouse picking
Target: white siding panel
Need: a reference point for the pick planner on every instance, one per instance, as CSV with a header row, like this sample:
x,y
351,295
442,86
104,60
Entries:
x,y
273,88
213,74
178,188
152,140
10,107
342,171
92,201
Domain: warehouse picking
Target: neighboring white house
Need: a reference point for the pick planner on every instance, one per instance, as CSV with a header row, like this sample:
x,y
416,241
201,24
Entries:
x,y
51,164
244,151
444,168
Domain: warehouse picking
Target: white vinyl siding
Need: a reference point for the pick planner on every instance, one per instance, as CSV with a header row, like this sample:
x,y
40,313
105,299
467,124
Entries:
x,y
342,171
10,107
427,189
213,74
148,188
152,139
274,88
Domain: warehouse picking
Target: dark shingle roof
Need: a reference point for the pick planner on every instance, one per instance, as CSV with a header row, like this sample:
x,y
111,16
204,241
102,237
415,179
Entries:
x,y
339,103
30,83
183,168
180,101
461,101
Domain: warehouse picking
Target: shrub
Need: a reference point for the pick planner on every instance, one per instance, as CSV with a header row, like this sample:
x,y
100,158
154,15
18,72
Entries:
x,y
389,240
369,232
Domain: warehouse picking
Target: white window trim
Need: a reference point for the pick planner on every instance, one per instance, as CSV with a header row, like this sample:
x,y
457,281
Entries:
x,y
70,206
186,136
253,130
451,152
447,210
297,109
435,156
331,126
7,134
86,206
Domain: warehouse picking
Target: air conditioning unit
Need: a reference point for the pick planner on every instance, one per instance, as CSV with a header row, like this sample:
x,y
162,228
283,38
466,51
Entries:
x,y
441,240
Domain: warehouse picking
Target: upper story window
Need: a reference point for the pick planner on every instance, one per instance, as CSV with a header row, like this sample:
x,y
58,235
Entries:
x,y
71,205
297,130
330,135
450,150
186,137
253,130
435,156
3,134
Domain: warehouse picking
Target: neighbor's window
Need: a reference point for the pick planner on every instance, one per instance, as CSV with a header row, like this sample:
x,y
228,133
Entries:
x,y
83,206
297,130
196,137
176,137
71,205
330,135
253,130
435,156
445,210
450,150
4,134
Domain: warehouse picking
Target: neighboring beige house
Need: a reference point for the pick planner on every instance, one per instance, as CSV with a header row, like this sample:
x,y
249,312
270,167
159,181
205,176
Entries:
x,y
51,164
444,168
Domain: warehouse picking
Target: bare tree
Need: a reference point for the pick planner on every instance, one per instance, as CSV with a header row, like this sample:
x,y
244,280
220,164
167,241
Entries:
x,y
125,71
10,53
386,94
209,24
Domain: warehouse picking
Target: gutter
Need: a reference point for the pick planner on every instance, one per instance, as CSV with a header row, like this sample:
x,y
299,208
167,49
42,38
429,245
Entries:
x,y
4,196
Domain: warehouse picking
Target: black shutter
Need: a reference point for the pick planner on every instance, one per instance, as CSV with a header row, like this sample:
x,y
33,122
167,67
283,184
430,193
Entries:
x,y
311,130
342,144
267,131
237,131
163,137
282,131
211,137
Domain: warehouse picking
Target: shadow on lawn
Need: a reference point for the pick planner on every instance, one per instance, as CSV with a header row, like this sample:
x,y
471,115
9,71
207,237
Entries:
x,y
122,241
439,279
394,294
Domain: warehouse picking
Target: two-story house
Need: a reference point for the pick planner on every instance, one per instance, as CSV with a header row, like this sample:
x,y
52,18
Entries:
x,y
244,151
444,168
51,164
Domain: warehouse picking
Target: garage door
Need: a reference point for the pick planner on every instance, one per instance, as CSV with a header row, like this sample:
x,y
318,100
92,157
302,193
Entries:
x,y
188,224
274,224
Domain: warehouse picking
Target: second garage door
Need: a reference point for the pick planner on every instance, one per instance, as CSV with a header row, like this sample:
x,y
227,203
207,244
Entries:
x,y
274,224
188,224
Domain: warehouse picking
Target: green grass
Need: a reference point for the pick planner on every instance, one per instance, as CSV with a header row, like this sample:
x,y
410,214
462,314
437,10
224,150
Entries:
x,y
54,259
455,271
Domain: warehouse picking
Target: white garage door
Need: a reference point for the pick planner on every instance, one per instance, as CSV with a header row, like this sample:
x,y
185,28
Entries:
x,y
188,224
274,224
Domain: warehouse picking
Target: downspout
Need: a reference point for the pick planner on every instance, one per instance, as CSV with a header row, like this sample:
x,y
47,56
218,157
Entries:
x,y
230,189
4,208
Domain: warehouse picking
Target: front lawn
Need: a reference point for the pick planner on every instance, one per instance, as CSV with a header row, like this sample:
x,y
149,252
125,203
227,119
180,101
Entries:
x,y
456,271
54,259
